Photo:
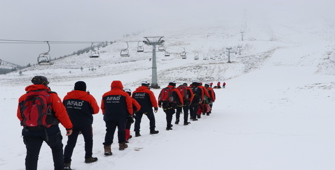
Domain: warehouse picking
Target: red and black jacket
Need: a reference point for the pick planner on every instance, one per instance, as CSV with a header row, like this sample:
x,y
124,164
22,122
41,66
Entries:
x,y
56,105
146,98
116,104
178,98
80,106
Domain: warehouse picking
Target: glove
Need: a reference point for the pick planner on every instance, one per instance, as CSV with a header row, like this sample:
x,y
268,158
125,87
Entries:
x,y
68,132
130,119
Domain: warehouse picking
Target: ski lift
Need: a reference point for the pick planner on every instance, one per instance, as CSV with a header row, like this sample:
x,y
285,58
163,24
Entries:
x,y
196,56
44,58
161,48
167,54
125,52
94,53
183,54
140,48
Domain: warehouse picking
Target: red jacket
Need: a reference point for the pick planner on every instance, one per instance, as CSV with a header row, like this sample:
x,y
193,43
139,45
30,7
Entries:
x,y
180,97
211,93
80,106
204,92
56,104
146,98
116,102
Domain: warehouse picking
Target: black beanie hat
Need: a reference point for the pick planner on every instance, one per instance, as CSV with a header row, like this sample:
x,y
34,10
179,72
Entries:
x,y
80,85
40,80
172,83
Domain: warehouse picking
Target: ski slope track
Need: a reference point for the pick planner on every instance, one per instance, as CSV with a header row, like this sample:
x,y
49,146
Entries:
x,y
276,112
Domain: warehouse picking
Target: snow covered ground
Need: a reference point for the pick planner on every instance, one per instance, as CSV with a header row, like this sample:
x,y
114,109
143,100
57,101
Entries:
x,y
276,113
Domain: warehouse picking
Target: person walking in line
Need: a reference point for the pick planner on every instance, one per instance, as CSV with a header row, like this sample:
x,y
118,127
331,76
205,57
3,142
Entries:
x,y
219,85
203,107
130,119
80,106
146,98
187,95
116,105
211,92
169,98
198,96
42,124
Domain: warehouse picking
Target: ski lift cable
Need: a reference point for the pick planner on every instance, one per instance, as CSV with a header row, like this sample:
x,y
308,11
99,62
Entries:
x,y
51,42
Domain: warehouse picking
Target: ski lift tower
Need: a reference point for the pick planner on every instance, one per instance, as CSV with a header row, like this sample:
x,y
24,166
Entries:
x,y
155,40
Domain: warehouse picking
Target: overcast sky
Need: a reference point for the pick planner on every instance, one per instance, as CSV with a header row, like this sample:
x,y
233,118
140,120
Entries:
x,y
108,20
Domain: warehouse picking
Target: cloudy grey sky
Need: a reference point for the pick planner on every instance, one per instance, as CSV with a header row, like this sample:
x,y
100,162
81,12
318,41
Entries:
x,y
106,20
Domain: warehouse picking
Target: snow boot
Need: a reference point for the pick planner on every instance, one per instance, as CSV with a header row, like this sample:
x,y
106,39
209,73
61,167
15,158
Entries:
x,y
108,150
67,166
187,123
153,131
91,159
137,134
177,121
122,146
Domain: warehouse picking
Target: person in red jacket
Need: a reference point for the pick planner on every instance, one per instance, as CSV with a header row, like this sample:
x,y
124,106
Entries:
x,y
187,94
80,106
33,137
211,98
130,120
116,105
219,85
198,97
146,98
170,105
203,107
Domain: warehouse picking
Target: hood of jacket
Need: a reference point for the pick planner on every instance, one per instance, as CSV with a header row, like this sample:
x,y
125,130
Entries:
x,y
76,94
37,87
117,84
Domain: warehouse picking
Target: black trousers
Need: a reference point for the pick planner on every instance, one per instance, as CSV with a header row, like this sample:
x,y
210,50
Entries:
x,y
33,141
185,110
169,114
110,130
72,140
138,119
193,111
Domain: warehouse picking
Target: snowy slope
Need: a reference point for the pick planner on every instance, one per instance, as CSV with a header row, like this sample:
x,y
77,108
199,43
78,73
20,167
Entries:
x,y
275,114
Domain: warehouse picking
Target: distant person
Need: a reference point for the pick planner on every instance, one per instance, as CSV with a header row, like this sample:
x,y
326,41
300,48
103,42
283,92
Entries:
x,y
169,98
146,98
219,85
34,131
130,119
187,95
80,106
211,99
223,84
116,105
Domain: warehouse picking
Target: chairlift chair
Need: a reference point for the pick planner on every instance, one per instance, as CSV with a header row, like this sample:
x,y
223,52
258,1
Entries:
x,y
44,58
140,48
196,56
183,54
161,48
125,52
94,53
167,54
